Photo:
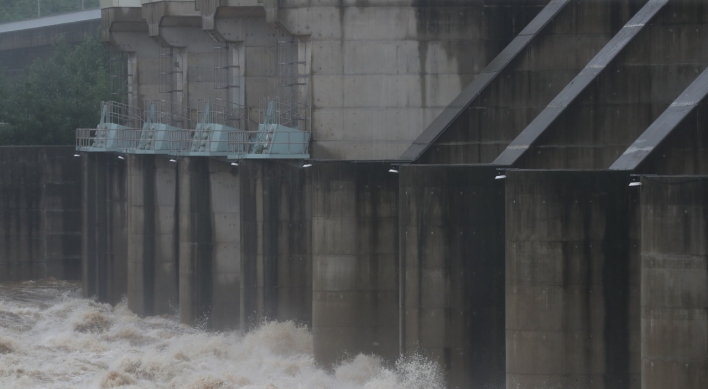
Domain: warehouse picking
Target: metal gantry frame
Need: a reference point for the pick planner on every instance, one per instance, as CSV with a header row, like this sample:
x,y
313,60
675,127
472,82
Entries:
x,y
284,132
161,132
118,120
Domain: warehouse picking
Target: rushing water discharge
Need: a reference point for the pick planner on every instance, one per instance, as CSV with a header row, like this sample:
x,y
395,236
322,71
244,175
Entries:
x,y
50,337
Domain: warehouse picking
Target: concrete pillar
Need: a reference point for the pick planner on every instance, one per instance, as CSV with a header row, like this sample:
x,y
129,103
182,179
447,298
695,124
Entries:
x,y
452,253
195,241
209,243
276,227
166,298
354,260
674,298
152,235
141,232
570,293
104,227
225,215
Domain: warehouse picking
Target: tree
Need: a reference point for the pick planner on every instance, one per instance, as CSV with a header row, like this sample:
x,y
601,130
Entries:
x,y
56,96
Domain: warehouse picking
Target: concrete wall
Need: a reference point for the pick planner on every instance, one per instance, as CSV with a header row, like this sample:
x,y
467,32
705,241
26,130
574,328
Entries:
x,y
381,71
685,150
40,208
674,281
276,242
630,93
530,81
452,253
571,286
375,73
354,260
104,227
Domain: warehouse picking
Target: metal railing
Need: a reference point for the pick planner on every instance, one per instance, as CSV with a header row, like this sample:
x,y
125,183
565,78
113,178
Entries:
x,y
274,110
293,142
222,112
121,114
98,139
169,113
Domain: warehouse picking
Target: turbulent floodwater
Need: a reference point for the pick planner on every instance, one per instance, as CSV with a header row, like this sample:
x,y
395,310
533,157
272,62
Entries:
x,y
50,337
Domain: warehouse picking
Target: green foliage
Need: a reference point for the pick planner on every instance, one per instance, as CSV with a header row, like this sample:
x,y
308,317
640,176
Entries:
x,y
11,10
56,96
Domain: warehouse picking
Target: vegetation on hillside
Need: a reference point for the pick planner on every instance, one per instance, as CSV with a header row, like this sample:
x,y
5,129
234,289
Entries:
x,y
55,96
12,10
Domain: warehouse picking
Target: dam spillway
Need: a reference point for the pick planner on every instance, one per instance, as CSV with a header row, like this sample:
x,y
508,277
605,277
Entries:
x,y
511,188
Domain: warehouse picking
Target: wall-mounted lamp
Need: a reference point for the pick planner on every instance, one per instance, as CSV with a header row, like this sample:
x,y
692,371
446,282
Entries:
x,y
77,155
393,170
307,164
234,163
500,177
173,160
121,157
635,183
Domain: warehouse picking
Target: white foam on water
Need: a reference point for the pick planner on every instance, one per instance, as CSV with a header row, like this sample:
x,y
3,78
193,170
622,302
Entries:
x,y
50,337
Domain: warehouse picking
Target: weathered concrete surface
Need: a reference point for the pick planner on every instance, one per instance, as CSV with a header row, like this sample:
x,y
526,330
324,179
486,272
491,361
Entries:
x,y
527,77
152,235
375,73
452,253
381,71
225,214
571,281
209,243
674,298
166,271
105,227
354,260
629,94
276,242
195,241
685,149
40,210
141,233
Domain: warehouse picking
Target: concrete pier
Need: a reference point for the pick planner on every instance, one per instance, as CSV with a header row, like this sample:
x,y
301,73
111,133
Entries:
x,y
152,264
220,217
452,253
195,241
674,296
276,241
209,243
105,227
569,290
354,260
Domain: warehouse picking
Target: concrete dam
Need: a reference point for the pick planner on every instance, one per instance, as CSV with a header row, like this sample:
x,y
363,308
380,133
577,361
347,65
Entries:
x,y
515,189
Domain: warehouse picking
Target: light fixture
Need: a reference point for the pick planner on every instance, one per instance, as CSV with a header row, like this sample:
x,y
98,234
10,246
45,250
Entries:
x,y
635,183
307,164
173,160
234,163
393,170
121,157
77,155
500,177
